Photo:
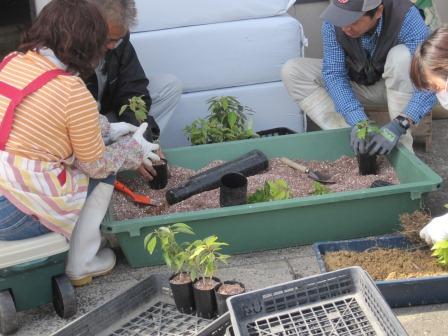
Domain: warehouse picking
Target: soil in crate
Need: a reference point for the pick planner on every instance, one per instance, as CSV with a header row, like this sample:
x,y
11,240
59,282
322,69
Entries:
x,y
393,264
344,172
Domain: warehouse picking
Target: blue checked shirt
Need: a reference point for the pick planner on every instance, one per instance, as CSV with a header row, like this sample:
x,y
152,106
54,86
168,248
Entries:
x,y
334,71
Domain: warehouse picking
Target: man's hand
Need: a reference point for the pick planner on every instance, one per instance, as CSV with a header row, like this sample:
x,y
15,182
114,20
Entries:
x,y
357,142
147,171
383,142
119,129
436,230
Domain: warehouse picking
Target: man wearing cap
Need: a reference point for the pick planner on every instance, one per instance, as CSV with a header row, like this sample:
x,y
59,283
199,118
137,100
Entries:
x,y
367,51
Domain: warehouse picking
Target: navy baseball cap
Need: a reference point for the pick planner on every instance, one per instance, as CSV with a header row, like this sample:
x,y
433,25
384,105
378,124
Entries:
x,y
341,13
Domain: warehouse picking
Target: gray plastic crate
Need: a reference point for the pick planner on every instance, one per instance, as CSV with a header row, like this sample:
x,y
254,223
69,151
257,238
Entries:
x,y
345,302
145,309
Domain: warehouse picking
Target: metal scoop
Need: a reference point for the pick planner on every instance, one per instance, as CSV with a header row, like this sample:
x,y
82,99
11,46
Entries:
x,y
314,175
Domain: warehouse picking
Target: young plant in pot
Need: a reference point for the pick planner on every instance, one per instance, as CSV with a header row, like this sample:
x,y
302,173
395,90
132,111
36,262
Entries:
x,y
367,164
203,266
227,122
225,290
177,258
138,106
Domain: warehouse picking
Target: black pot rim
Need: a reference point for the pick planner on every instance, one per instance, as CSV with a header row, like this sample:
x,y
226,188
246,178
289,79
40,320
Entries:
x,y
230,282
175,274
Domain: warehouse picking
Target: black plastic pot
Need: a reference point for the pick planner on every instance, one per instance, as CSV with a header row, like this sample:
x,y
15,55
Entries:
x,y
233,190
161,180
248,164
367,164
183,296
205,300
221,298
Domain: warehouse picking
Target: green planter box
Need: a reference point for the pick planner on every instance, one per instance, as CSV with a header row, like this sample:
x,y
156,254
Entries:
x,y
298,221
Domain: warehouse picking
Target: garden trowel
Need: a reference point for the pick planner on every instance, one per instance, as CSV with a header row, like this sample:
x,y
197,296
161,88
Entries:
x,y
141,199
314,175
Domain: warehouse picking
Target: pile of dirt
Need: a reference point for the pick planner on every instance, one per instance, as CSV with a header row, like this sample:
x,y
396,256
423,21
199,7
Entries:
x,y
411,225
388,264
344,172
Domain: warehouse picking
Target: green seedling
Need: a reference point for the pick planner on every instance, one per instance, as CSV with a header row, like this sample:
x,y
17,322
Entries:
x,y
174,254
365,129
204,256
440,250
227,121
320,189
138,106
271,191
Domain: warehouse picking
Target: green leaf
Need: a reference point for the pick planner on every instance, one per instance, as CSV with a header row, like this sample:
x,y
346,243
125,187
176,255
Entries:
x,y
232,119
151,245
122,109
182,227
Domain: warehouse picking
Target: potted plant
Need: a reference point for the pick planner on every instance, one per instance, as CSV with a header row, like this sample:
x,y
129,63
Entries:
x,y
177,259
225,290
367,163
203,265
138,106
227,122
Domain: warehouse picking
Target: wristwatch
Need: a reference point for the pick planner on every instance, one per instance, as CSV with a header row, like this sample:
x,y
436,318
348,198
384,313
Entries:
x,y
403,121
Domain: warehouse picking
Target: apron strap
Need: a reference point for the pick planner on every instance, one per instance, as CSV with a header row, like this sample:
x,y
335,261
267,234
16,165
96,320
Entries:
x,y
16,96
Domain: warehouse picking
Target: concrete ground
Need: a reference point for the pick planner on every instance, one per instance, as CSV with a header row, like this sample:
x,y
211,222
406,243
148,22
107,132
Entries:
x,y
258,270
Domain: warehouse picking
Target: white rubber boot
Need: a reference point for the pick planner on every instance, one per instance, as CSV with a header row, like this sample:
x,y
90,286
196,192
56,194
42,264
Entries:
x,y
320,108
396,103
85,258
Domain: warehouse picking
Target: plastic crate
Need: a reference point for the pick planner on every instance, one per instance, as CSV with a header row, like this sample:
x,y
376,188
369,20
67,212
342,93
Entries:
x,y
145,309
397,293
344,302
276,131
292,222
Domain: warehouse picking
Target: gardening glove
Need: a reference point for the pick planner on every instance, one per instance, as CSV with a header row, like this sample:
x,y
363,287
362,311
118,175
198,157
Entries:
x,y
359,145
383,142
119,129
147,146
436,230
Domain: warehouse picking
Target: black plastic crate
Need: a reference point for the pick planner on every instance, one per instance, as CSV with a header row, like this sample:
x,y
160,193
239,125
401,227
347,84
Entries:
x,y
145,309
397,293
344,302
275,132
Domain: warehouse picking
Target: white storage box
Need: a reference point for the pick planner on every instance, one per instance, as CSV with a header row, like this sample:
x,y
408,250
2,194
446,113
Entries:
x,y
221,55
164,14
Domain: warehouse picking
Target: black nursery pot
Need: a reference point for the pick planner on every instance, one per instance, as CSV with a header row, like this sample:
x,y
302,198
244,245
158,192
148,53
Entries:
x,y
205,301
161,180
367,164
183,296
233,190
221,298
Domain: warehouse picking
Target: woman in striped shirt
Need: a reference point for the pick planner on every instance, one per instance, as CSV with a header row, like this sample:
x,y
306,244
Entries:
x,y
56,173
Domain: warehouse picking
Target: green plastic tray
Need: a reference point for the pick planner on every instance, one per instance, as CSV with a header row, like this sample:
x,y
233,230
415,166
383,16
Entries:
x,y
298,221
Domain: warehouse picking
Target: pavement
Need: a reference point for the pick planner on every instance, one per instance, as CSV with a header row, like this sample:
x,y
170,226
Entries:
x,y
258,270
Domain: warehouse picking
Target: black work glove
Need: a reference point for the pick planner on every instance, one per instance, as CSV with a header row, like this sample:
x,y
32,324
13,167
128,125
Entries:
x,y
386,140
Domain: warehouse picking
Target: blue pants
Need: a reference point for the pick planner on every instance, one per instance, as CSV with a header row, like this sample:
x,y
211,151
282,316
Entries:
x,y
16,225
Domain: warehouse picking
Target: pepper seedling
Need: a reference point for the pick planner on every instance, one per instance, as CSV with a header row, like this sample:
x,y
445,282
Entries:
x,y
271,191
440,250
138,106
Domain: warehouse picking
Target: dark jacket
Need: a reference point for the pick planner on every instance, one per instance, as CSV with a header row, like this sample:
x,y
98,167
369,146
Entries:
x,y
362,68
125,79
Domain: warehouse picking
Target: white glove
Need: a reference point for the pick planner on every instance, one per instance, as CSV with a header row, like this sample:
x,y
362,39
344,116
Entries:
x,y
119,129
147,146
436,230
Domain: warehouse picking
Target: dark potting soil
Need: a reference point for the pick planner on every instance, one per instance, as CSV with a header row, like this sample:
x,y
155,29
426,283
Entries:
x,y
180,279
229,289
344,172
388,264
208,284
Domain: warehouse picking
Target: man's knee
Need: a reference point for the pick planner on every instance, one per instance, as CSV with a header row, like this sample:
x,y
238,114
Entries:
x,y
398,60
173,85
298,69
